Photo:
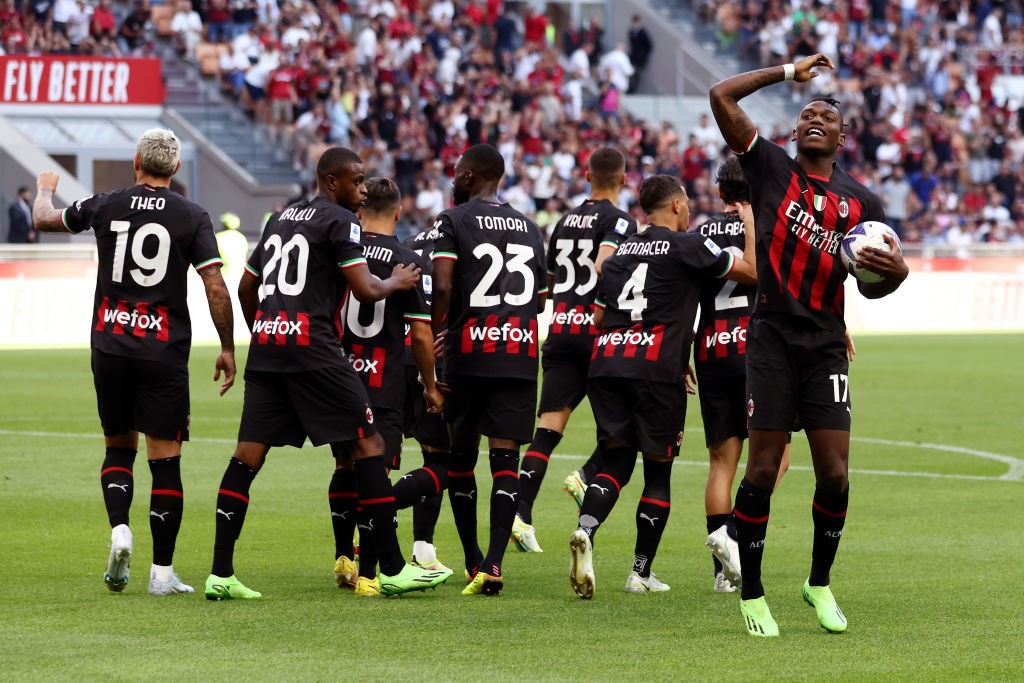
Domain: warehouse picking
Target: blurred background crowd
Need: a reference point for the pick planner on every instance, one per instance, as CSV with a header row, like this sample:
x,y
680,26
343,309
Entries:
x,y
929,89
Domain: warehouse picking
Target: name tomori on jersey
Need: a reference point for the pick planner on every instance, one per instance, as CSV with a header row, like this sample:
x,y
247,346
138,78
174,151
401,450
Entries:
x,y
502,223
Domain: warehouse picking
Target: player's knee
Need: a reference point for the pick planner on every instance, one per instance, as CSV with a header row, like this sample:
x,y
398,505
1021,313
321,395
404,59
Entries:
x,y
833,479
367,447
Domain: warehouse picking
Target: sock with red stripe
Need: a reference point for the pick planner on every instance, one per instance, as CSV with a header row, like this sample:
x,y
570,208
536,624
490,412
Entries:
x,y
232,504
593,465
750,514
166,503
603,491
652,514
118,482
829,514
419,485
425,514
462,495
535,465
378,504
715,522
504,501
342,499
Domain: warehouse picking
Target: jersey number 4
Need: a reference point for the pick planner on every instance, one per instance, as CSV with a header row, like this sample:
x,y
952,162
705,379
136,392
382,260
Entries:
x,y
632,298
519,256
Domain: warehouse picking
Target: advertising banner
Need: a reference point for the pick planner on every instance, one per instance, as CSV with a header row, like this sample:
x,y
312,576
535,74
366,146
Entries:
x,y
71,79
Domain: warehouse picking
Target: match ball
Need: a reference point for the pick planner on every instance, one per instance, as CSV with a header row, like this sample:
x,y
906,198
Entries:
x,y
866,234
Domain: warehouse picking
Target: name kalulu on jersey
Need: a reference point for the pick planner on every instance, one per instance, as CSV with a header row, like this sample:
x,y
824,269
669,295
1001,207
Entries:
x,y
297,214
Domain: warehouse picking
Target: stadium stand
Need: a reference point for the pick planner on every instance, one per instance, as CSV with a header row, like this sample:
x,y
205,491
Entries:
x,y
934,87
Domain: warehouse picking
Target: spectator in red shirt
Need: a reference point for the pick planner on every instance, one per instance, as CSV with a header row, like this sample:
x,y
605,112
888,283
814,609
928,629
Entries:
x,y
694,162
218,21
535,27
283,95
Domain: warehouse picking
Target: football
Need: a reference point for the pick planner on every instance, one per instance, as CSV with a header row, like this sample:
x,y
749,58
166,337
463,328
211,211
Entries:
x,y
866,234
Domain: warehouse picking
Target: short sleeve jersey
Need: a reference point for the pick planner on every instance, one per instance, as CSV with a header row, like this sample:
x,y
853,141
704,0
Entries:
x,y
720,348
374,334
499,274
801,220
422,246
649,291
146,237
298,260
572,253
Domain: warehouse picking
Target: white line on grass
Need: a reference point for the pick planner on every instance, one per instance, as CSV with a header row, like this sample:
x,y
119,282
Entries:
x,y
1015,472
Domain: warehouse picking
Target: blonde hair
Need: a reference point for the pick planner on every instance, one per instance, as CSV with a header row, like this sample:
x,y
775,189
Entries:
x,y
159,151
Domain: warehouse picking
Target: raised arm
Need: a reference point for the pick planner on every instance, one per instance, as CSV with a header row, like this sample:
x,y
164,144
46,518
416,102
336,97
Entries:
x,y
45,218
368,288
737,128
224,320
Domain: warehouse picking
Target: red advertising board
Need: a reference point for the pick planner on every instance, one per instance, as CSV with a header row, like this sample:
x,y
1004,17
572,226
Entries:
x,y
68,79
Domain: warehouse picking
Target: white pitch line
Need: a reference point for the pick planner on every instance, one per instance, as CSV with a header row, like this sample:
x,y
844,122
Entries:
x,y
1015,473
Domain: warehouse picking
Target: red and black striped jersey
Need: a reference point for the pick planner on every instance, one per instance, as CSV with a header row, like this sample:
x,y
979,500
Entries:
x,y
499,275
720,347
146,237
572,254
801,220
298,260
374,334
649,290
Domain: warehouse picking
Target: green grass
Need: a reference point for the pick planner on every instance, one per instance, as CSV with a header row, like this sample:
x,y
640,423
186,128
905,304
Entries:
x,y
928,572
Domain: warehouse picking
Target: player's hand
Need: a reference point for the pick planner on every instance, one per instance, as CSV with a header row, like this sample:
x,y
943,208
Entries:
x,y
434,399
690,380
805,67
406,275
226,364
889,264
47,180
851,350
746,214
439,344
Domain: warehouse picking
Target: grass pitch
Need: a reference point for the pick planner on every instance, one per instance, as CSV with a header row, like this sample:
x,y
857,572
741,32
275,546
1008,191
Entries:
x,y
928,571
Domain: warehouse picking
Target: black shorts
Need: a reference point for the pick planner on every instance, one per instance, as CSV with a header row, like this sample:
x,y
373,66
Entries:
x,y
723,407
649,416
794,369
498,407
565,381
428,429
145,396
283,408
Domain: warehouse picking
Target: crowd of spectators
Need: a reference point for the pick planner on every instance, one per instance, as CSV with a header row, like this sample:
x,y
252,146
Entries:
x,y
928,90
931,91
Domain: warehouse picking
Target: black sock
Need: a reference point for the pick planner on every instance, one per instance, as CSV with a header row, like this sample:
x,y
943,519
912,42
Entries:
x,y
418,485
232,503
535,465
378,503
652,514
342,499
166,503
829,514
367,548
714,522
750,515
504,501
425,514
594,464
462,496
603,491
118,482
